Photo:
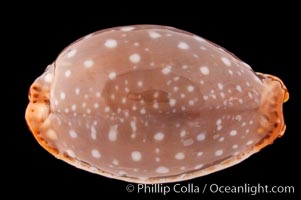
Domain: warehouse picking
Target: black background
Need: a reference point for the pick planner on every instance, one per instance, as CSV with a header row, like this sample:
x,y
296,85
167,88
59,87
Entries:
x,y
266,37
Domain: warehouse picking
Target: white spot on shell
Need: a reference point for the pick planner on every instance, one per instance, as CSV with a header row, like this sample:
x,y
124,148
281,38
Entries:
x,y
96,105
238,88
201,137
115,162
113,133
250,95
93,133
154,34
182,133
184,66
222,94
139,83
133,126
200,153
191,102
219,127
136,156
172,102
220,86
134,107
159,136
62,95
233,132
142,111
95,153
250,142
183,45
70,153
219,152
77,91
226,61
198,166
88,63
112,75
71,53
107,109
127,28
204,70
72,134
111,43
162,170
166,70
180,156
67,73
190,88
188,142
135,58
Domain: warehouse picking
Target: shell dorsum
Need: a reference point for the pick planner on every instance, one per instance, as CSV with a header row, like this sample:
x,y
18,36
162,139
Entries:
x,y
153,104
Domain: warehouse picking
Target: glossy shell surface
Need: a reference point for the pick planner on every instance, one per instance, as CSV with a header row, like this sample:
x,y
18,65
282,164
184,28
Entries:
x,y
153,104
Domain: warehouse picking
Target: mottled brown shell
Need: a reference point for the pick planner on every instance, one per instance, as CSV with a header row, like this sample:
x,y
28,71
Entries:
x,y
153,104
